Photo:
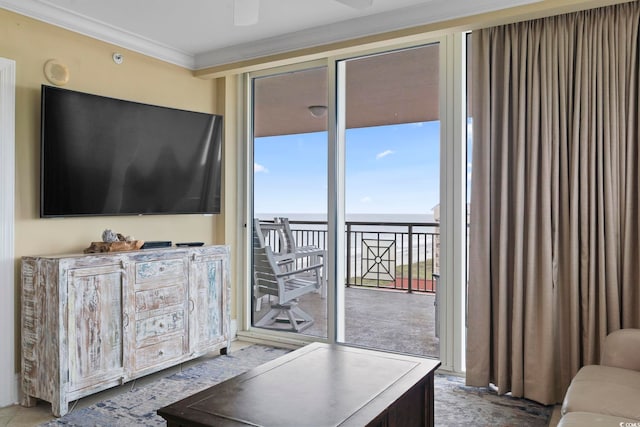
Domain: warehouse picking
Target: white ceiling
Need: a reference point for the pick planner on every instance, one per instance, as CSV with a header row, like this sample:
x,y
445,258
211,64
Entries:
x,y
200,33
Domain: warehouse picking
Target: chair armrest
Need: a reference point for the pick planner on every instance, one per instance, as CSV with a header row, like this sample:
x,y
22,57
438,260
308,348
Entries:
x,y
286,258
299,270
621,349
309,251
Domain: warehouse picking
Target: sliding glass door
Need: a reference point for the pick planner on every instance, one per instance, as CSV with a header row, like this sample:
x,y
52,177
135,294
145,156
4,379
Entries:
x,y
360,160
392,196
289,200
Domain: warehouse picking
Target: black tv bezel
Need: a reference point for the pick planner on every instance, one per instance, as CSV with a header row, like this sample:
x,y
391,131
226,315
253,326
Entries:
x,y
217,194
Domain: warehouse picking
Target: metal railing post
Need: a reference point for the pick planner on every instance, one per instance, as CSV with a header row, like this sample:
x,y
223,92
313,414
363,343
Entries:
x,y
410,278
348,239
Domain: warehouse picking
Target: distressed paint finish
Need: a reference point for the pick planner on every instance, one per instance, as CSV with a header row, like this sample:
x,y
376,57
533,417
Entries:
x,y
154,299
95,326
90,322
154,270
160,353
210,285
41,338
160,326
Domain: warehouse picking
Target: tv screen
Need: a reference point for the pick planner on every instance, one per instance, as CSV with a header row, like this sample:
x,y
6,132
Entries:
x,y
105,156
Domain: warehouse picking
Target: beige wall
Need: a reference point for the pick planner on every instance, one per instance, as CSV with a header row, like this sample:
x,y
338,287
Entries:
x,y
30,44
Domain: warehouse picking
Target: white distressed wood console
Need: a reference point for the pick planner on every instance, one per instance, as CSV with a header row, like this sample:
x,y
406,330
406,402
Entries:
x,y
90,322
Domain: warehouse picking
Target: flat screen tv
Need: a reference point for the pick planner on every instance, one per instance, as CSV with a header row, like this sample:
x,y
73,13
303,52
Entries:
x,y
106,156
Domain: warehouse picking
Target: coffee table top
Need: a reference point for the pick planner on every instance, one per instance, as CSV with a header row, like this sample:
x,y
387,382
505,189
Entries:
x,y
319,384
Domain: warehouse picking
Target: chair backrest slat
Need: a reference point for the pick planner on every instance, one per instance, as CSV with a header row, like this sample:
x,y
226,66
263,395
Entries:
x,y
287,235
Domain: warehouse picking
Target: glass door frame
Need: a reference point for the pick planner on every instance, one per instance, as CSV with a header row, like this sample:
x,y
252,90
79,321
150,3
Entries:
x,y
452,200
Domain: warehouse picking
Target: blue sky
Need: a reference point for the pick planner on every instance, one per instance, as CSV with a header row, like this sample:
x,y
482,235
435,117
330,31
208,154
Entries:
x,y
389,169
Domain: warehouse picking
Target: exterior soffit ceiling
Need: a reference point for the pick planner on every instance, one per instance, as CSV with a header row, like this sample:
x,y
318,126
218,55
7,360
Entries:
x,y
394,88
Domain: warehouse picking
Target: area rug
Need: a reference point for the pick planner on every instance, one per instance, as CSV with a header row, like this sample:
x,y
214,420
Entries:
x,y
459,405
455,404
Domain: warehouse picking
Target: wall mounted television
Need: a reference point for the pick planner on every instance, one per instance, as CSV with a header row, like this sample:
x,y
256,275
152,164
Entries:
x,y
106,156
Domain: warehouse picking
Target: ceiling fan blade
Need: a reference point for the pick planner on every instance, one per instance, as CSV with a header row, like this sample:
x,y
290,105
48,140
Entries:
x,y
357,4
245,12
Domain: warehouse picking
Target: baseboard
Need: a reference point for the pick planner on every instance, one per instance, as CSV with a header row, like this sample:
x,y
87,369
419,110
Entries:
x,y
233,328
17,389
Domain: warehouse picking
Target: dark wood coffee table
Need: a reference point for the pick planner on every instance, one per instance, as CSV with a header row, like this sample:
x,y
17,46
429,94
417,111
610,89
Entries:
x,y
317,385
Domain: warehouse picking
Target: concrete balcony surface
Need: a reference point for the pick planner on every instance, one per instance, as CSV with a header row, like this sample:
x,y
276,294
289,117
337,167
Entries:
x,y
376,318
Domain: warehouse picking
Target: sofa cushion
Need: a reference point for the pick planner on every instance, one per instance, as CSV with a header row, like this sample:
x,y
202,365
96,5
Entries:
x,y
604,390
621,349
589,419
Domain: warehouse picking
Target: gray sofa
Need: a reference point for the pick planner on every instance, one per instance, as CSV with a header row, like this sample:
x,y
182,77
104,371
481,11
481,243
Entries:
x,y
607,394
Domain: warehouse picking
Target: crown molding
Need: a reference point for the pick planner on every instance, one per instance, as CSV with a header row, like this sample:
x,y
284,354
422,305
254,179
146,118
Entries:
x,y
44,11
412,16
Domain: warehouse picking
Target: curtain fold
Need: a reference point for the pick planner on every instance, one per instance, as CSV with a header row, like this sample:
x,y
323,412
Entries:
x,y
554,264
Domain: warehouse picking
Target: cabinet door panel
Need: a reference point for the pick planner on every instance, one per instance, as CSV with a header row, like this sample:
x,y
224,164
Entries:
x,y
206,327
95,325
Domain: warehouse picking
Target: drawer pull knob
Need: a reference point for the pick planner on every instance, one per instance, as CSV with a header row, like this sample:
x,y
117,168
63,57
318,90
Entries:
x,y
161,352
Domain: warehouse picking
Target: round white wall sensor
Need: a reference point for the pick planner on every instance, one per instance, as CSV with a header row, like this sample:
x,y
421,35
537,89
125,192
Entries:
x,y
118,58
56,72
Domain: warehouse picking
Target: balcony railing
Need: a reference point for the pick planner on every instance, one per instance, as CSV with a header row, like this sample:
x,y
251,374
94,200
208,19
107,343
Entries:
x,y
391,255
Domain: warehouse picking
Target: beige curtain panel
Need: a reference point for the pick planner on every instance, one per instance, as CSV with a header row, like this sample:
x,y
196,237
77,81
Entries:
x,y
554,236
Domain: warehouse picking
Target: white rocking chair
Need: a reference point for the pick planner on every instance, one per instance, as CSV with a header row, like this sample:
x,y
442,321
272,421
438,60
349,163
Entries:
x,y
269,234
303,255
286,284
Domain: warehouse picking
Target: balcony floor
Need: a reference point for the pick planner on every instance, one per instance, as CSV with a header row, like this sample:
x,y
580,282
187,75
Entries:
x,y
381,319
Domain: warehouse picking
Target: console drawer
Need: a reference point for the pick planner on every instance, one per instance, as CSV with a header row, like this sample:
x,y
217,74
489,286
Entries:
x,y
156,354
159,325
163,270
154,299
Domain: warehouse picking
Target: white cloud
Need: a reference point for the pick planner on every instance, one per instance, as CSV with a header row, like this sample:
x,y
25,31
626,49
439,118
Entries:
x,y
384,154
257,168
366,199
